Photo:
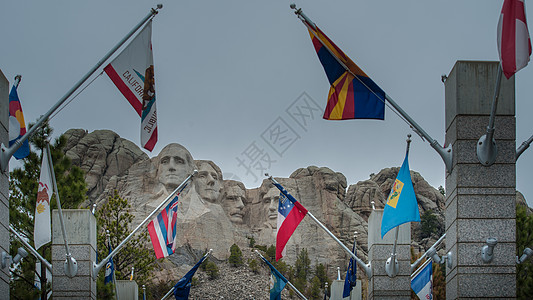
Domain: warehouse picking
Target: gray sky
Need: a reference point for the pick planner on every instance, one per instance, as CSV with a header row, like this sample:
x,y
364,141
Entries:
x,y
227,72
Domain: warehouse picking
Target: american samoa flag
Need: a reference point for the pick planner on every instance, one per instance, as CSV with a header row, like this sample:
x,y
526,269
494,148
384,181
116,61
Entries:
x,y
162,230
132,71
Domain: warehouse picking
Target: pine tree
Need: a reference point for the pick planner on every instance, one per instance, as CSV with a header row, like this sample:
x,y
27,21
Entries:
x,y
115,217
23,195
235,258
524,239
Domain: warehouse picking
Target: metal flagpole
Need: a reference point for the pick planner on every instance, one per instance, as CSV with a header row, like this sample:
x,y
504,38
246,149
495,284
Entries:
x,y
486,147
97,267
523,147
6,153
445,153
288,282
32,250
169,293
365,267
391,265
71,266
427,253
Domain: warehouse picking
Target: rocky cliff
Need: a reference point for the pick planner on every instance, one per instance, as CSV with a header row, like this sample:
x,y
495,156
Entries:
x,y
215,213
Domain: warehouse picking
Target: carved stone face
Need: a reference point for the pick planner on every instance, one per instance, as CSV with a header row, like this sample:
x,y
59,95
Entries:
x,y
208,182
175,164
270,207
234,203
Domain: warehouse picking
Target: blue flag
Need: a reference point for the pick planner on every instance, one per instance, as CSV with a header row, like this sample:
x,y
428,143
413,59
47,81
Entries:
x,y
422,281
17,126
351,275
277,282
401,206
109,269
183,287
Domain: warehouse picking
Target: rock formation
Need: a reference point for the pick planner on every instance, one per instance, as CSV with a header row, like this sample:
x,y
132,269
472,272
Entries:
x,y
215,213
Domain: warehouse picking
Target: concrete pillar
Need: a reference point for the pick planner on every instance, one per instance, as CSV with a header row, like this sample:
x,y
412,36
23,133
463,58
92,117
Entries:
x,y
480,200
80,225
4,184
337,287
127,289
380,285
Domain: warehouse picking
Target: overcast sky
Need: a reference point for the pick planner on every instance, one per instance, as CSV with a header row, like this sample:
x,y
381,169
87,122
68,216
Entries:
x,y
229,73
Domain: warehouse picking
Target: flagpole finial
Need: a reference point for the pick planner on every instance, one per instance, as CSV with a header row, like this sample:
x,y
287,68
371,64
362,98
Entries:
x,y
355,234
373,206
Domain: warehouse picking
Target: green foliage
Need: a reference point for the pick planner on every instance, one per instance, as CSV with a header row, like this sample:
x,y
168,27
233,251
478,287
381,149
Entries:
x,y
302,268
104,291
429,224
23,195
442,190
114,216
320,272
212,270
235,258
271,253
315,289
253,265
251,242
524,239
261,247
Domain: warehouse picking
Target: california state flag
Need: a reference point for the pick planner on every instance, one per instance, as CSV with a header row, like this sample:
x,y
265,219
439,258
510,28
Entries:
x,y
514,44
133,74
42,232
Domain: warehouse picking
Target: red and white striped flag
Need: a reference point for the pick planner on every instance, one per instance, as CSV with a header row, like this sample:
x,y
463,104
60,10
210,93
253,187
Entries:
x,y
514,45
133,74
162,230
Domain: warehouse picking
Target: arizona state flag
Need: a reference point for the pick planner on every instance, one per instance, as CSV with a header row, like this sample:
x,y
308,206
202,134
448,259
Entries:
x,y
133,74
352,95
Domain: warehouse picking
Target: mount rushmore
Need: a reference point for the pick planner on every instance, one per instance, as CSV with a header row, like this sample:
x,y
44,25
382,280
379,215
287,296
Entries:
x,y
216,213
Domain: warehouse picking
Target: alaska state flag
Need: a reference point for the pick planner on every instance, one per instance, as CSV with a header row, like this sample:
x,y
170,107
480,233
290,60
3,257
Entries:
x,y
17,127
183,287
401,206
290,214
422,281
133,74
352,94
162,230
277,281
514,44
351,275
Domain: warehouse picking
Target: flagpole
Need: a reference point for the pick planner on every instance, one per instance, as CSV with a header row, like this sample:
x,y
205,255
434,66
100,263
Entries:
x,y
523,147
391,265
6,153
437,243
169,293
486,148
18,79
71,265
444,152
97,267
366,267
288,282
32,250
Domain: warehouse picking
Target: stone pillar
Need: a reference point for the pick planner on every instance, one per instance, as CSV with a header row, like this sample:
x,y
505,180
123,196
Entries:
x,y
127,289
480,200
380,285
337,287
80,225
4,184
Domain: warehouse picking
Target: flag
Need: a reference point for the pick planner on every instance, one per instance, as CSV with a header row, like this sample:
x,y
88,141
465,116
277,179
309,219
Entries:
x,y
17,127
183,287
422,281
42,232
277,281
162,230
352,94
109,268
290,214
133,74
351,275
514,44
401,206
